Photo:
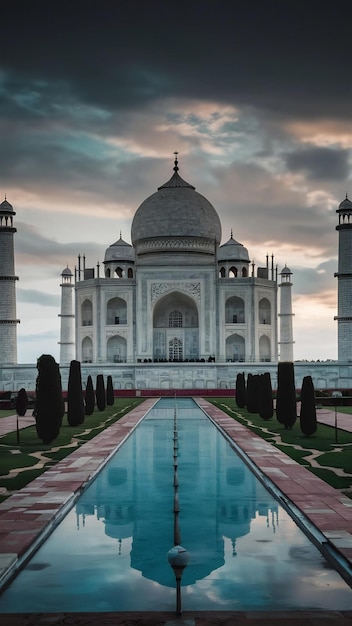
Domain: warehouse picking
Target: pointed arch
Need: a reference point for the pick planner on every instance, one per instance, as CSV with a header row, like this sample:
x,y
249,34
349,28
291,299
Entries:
x,y
235,348
87,313
87,350
234,310
264,348
116,311
175,317
264,311
116,349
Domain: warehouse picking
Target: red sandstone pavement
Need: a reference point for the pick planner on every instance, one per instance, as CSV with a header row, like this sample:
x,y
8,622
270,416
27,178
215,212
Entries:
x,y
24,515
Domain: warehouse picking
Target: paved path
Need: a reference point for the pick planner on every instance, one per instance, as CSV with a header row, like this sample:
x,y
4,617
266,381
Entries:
x,y
24,515
8,424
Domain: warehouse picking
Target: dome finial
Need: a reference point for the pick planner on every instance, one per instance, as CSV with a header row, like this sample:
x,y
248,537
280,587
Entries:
x,y
231,236
176,162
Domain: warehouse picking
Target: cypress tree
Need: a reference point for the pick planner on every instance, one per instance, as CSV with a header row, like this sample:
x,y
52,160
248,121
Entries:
x,y
21,402
286,403
240,390
308,413
75,402
21,408
252,393
89,397
109,391
49,405
100,393
266,405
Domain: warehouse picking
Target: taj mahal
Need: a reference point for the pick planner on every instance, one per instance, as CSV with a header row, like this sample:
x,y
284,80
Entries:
x,y
176,309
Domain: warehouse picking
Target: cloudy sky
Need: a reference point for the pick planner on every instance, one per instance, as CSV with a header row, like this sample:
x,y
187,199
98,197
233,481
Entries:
x,y
256,96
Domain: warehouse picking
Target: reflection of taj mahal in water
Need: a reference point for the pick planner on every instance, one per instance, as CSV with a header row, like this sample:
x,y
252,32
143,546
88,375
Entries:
x,y
134,500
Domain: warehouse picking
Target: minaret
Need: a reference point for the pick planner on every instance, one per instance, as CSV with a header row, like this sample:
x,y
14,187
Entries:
x,y
344,278
67,326
8,321
286,330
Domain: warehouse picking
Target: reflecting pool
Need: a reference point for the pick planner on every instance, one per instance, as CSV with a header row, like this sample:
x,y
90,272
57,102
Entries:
x,y
110,552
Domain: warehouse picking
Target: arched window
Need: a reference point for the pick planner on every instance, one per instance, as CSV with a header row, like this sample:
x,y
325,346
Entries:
x,y
235,348
130,272
119,272
87,350
222,272
116,311
234,311
264,348
107,273
244,272
233,272
117,349
175,319
175,316
264,311
175,350
87,313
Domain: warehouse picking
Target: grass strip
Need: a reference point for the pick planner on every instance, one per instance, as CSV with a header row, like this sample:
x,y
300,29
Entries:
x,y
18,456
299,447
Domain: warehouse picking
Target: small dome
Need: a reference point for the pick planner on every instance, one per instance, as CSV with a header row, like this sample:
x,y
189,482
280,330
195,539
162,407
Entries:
x,y
119,251
175,213
286,270
66,272
6,207
232,250
345,205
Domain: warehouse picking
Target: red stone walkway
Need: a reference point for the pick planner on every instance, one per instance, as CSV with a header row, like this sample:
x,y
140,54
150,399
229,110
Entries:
x,y
24,515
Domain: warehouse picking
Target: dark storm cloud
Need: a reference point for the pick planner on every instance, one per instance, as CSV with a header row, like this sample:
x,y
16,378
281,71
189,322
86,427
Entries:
x,y
287,57
34,248
314,281
38,297
320,163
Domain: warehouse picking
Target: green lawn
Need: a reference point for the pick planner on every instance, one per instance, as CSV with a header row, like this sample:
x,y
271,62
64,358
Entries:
x,y
7,412
25,454
299,447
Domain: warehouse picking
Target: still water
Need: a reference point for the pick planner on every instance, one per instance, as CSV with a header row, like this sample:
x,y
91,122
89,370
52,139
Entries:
x,y
110,552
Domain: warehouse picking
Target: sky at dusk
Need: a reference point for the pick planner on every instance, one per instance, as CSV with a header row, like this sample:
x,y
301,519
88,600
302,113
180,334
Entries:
x,y
256,97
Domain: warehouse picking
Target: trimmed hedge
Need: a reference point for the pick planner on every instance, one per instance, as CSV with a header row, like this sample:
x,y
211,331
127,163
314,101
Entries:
x,y
75,401
89,397
49,405
100,393
308,413
109,391
286,402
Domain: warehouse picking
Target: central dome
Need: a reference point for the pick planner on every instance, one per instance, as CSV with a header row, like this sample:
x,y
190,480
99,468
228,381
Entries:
x,y
174,217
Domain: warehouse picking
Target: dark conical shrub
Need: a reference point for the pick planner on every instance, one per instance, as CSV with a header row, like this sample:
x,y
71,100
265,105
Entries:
x,y
240,390
75,401
21,408
286,403
308,413
109,391
265,404
49,405
21,402
89,397
252,393
100,393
